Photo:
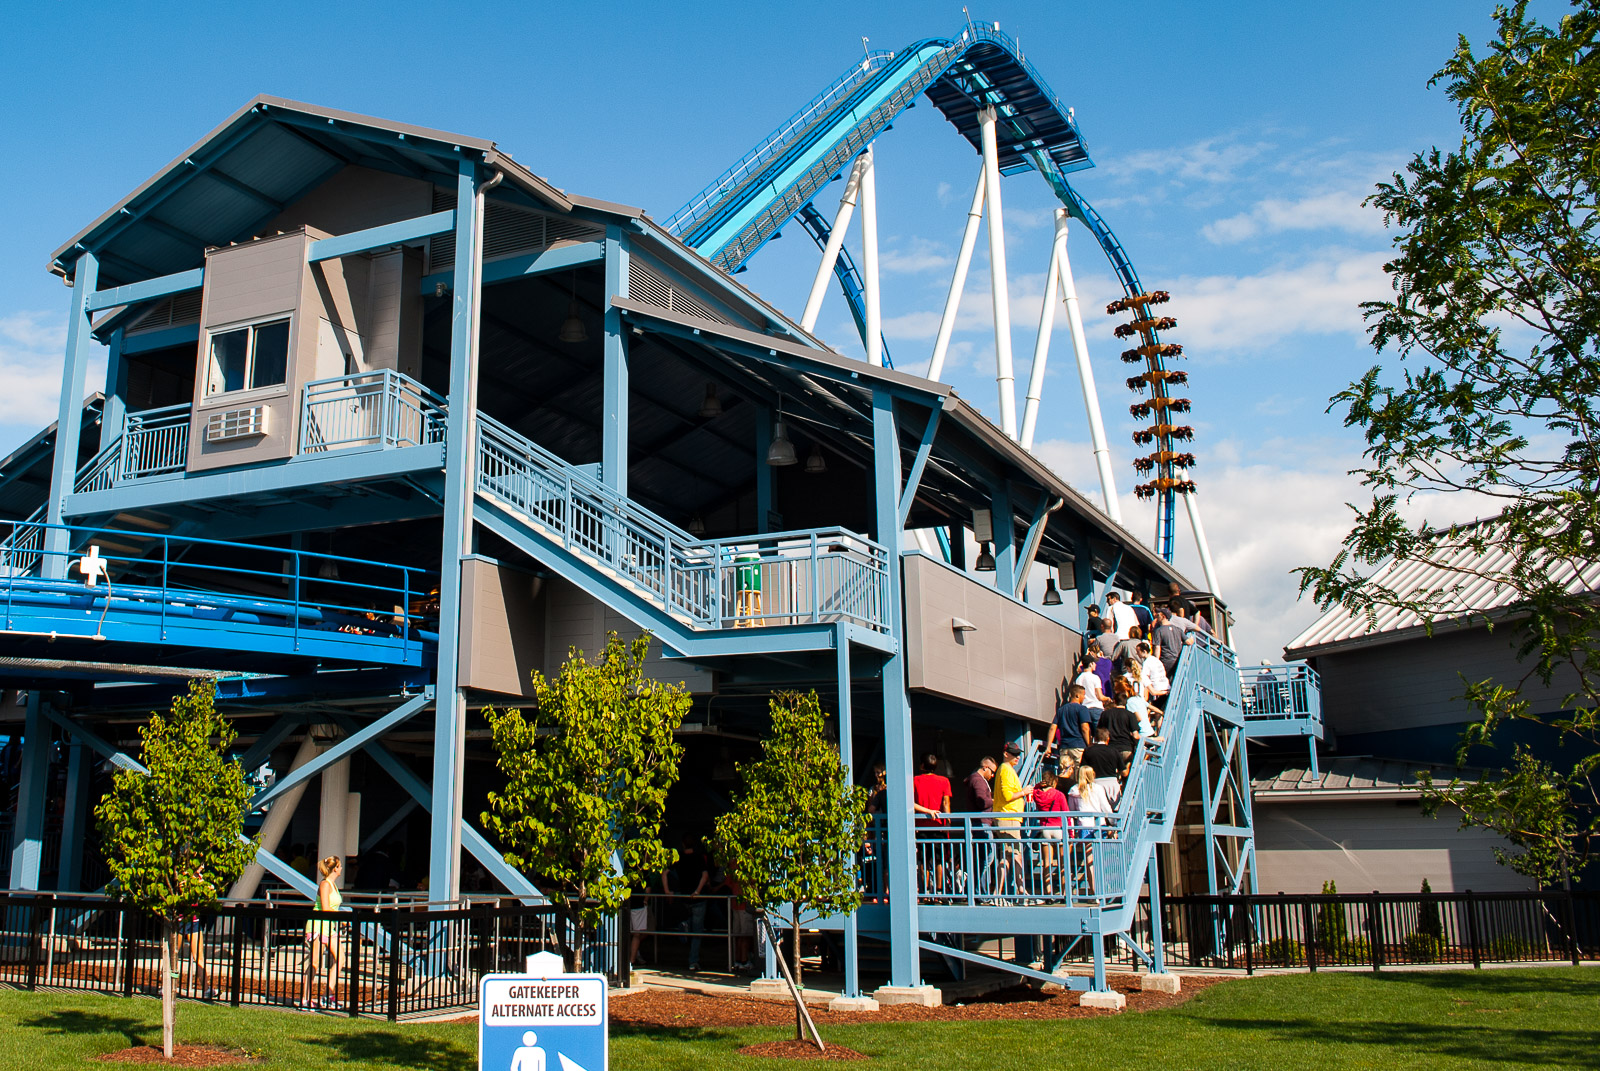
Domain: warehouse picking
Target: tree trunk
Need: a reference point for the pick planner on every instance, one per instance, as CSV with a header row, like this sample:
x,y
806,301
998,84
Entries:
x,y
799,981
168,989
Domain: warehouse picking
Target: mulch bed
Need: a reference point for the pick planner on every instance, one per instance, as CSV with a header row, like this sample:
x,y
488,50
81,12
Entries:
x,y
670,1008
182,1056
800,1050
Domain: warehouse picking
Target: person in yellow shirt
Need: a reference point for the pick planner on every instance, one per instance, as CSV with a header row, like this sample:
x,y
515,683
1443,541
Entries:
x,y
1010,800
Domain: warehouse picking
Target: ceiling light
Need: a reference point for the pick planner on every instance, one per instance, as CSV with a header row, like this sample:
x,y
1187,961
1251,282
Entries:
x,y
572,329
1052,597
781,452
816,464
985,563
697,525
712,406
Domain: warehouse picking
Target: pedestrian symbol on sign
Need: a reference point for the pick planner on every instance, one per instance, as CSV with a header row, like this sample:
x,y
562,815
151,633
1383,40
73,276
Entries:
x,y
529,1057
542,1022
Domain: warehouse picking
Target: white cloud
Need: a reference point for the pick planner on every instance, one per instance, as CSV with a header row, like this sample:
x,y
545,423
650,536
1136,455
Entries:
x,y
31,345
1248,312
1211,160
914,256
1330,210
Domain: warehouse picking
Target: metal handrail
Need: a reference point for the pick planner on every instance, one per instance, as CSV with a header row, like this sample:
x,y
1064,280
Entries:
x,y
384,407
155,442
828,574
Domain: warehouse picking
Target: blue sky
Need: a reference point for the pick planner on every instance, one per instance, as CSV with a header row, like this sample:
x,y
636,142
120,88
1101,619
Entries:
x,y
1233,142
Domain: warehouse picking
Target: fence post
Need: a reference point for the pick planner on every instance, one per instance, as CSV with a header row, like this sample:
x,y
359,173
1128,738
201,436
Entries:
x,y
1249,937
353,978
131,928
394,962
236,982
1472,929
1311,934
1572,928
1375,930
33,944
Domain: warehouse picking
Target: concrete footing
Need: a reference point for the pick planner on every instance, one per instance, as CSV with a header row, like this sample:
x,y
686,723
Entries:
x,y
1159,983
1103,1001
926,995
770,989
853,1004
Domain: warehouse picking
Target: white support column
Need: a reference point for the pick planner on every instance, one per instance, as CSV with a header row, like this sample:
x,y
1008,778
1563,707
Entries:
x,y
830,252
1091,397
1047,324
275,825
332,822
1005,379
958,282
869,261
1191,502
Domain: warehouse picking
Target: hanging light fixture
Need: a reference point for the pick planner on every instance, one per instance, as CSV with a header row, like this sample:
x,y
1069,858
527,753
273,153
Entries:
x,y
572,329
712,406
816,464
985,562
781,452
1052,596
697,525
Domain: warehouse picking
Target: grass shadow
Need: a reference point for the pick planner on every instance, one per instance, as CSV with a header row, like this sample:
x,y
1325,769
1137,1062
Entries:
x,y
1488,1044
1540,981
82,1022
397,1049
681,1033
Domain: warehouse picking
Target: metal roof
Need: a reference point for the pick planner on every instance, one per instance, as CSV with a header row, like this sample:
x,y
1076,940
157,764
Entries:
x,y
264,156
1463,582
1353,777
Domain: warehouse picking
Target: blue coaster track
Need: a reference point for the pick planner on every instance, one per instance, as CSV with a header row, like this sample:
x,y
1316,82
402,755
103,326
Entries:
x,y
730,220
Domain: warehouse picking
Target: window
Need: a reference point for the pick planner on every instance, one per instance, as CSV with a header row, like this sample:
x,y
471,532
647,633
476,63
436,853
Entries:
x,y
244,358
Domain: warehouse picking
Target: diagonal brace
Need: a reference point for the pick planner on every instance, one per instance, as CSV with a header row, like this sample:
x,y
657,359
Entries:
x,y
920,462
354,742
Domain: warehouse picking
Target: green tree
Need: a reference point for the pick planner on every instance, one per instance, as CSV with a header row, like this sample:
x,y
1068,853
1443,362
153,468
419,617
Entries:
x,y
1496,317
587,776
173,832
1332,928
1429,921
796,822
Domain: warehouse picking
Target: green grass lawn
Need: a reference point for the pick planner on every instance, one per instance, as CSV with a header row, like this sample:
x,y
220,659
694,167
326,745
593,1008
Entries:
x,y
1460,1019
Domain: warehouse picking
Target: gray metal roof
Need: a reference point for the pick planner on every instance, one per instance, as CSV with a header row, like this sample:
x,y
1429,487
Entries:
x,y
1351,777
1464,584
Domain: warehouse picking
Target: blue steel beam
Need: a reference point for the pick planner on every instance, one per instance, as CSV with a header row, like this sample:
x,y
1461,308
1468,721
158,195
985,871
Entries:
x,y
349,745
852,972
544,262
148,290
27,830
69,425
402,232
920,462
614,358
146,341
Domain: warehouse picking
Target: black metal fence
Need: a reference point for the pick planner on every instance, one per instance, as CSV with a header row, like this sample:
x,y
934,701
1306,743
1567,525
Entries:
x,y
1374,930
391,962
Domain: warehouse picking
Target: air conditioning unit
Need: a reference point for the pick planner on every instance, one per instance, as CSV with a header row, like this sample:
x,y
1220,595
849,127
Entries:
x,y
231,424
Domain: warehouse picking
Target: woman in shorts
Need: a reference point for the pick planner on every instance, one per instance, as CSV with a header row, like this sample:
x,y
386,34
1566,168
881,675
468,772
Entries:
x,y
323,935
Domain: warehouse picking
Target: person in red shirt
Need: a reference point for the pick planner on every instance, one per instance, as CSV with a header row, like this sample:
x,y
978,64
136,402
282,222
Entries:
x,y
931,797
1049,800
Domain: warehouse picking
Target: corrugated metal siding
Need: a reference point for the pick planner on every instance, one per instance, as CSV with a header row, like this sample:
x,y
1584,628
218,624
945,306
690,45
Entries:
x,y
1466,581
1381,845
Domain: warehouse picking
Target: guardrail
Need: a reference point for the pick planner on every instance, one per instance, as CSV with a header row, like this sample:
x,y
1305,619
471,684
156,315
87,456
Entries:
x,y
159,579
156,441
1282,700
779,578
382,408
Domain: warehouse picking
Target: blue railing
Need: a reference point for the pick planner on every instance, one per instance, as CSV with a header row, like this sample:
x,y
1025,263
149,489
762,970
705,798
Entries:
x,y
150,583
778,578
1282,700
383,408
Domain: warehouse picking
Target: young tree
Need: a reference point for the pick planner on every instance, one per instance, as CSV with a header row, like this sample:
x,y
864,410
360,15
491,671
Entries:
x,y
587,776
796,822
1496,273
174,832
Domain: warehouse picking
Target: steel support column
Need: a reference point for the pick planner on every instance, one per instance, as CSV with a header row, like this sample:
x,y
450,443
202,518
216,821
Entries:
x,y
1005,538
75,814
1083,578
27,830
614,420
869,261
116,403
1158,956
852,973
764,473
1005,378
449,740
69,414
958,281
904,954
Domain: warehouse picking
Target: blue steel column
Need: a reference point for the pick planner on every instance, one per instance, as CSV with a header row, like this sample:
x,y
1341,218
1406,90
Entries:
x,y
460,464
69,420
1158,955
904,954
27,838
614,420
74,819
1005,539
1083,578
116,406
852,974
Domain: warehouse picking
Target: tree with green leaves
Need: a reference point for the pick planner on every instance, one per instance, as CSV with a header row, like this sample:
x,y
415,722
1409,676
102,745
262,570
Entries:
x,y
1496,320
796,823
173,832
587,776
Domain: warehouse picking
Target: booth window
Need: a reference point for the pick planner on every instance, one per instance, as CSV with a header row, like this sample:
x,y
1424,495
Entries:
x,y
244,358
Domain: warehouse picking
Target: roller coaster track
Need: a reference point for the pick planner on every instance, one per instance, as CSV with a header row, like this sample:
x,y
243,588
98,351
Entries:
x,y
745,207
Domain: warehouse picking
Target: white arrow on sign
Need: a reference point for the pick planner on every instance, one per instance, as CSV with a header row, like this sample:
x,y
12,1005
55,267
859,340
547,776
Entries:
x,y
569,1064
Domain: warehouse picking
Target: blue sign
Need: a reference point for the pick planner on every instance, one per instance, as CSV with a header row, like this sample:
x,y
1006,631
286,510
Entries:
x,y
532,1023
